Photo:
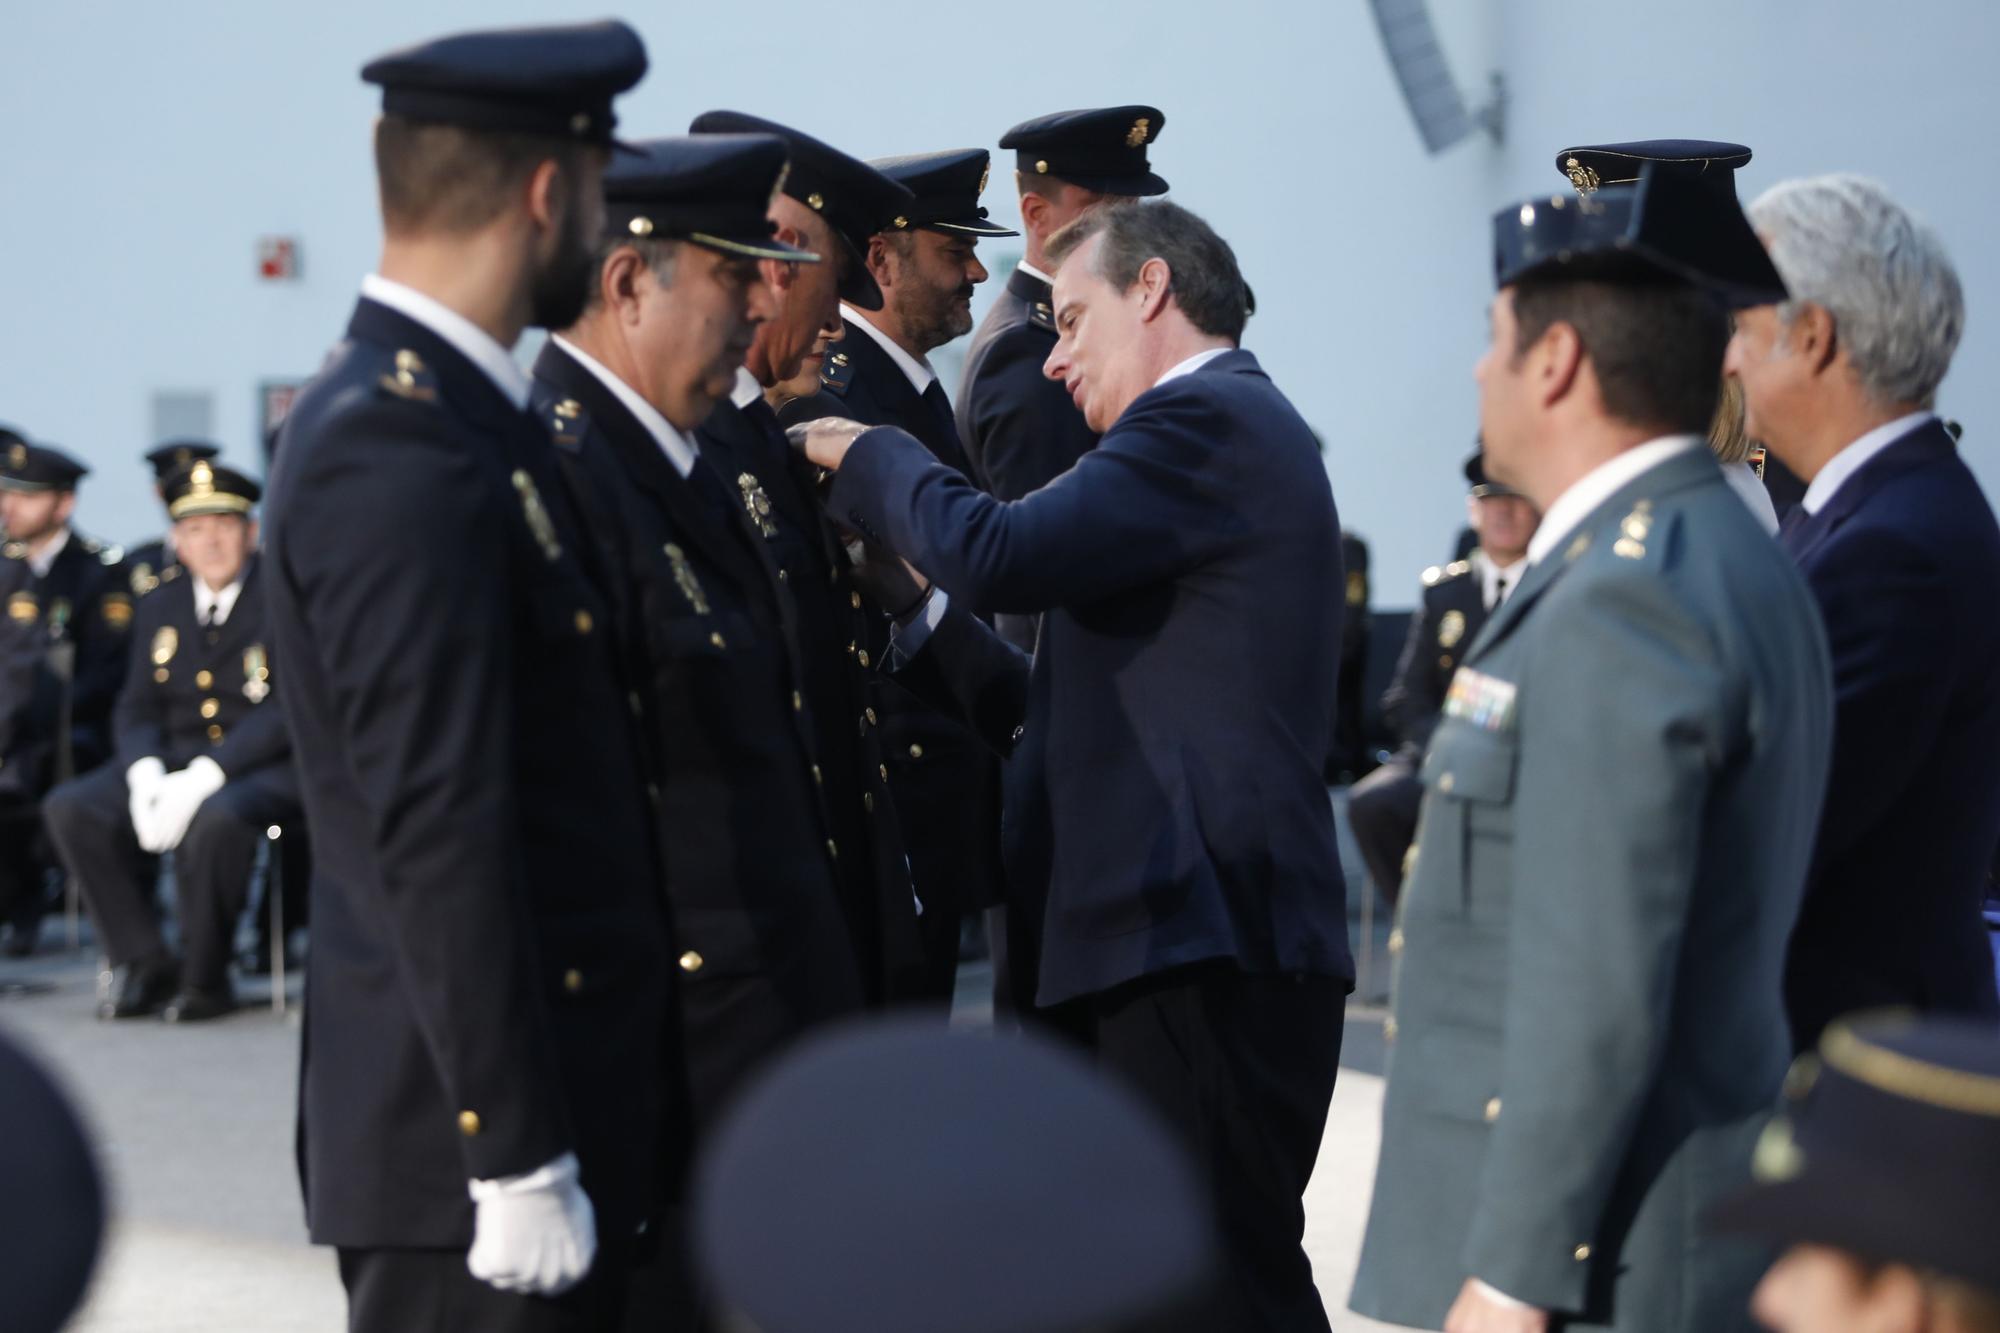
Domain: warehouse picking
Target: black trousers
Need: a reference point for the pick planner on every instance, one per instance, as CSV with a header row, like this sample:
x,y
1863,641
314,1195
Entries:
x,y
90,823
431,1291
1243,1068
1382,810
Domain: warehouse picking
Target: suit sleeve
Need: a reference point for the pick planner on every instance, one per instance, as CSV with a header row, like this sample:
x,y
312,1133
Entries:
x,y
396,560
1888,622
966,670
1023,430
1145,505
139,723
1409,704
1627,717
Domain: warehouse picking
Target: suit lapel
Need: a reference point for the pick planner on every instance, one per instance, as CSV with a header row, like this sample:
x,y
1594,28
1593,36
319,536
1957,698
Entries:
x,y
1924,445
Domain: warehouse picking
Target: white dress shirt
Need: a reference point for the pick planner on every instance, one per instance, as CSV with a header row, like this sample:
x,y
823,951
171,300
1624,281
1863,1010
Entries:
x,y
41,561
680,451
212,607
1599,484
476,344
917,370
1492,576
1034,272
1851,459
747,390
1192,364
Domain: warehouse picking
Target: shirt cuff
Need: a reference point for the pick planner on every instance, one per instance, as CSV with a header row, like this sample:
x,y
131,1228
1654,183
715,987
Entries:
x,y
1499,1297
906,641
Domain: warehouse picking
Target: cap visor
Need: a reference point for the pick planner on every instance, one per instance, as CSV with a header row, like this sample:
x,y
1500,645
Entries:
x,y
620,146
766,248
1129,187
970,227
26,487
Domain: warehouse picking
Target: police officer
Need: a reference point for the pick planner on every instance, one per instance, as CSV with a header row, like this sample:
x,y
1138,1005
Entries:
x,y
1618,812
69,593
486,1005
946,782
1020,429
1457,598
204,764
830,204
152,563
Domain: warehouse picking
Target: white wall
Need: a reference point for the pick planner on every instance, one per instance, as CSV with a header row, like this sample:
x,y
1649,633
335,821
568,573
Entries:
x,y
143,148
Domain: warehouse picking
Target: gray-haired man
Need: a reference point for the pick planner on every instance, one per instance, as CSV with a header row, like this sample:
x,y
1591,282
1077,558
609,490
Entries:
x,y
1903,554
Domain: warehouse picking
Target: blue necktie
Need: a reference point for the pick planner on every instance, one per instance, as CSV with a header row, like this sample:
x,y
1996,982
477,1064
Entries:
x,y
1791,529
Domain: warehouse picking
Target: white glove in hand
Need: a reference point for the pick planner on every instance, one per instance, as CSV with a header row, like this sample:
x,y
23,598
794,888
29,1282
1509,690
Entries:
x,y
142,785
180,796
534,1234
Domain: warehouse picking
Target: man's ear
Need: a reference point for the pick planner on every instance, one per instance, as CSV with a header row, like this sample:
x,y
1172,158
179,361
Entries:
x,y
252,533
618,283
1154,286
1556,362
65,506
1035,211
546,194
881,261
1814,336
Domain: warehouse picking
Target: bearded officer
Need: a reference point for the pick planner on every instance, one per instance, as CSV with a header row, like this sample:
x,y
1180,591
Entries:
x,y
486,1006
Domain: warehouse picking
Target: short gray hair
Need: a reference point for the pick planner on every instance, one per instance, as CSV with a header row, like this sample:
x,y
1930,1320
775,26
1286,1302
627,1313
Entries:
x,y
659,253
1842,243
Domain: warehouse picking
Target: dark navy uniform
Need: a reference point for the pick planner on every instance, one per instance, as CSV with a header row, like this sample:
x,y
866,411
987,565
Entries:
x,y
946,782
490,953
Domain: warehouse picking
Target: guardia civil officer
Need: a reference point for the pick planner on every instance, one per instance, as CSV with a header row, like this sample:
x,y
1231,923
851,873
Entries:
x,y
1019,429
1457,598
151,563
1170,790
1902,553
1618,811
68,593
946,782
830,205
204,766
486,1008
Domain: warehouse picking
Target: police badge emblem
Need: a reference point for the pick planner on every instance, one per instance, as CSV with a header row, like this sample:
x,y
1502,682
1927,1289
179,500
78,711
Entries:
x,y
757,503
256,674
685,580
165,644
23,609
1451,629
537,514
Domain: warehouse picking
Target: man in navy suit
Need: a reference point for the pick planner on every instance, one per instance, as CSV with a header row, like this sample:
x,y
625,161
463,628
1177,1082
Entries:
x,y
1903,555
1171,735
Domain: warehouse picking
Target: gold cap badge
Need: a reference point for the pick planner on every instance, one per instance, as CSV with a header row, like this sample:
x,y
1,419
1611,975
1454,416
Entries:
x,y
1585,179
1141,127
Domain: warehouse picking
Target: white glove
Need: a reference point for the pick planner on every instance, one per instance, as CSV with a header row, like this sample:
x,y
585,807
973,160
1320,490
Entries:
x,y
180,796
535,1233
142,785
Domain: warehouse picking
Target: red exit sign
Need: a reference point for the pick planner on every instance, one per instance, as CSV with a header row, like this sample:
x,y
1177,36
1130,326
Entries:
x,y
277,258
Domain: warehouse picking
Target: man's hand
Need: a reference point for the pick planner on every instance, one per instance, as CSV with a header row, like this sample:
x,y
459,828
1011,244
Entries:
x,y
178,798
1478,1311
884,578
142,786
825,441
534,1234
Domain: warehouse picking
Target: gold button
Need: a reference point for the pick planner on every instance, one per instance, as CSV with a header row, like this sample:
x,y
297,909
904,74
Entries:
x,y
869,713
1395,942
1445,661
1492,1109
864,657
798,702
203,679
832,849
468,1123
215,731
1582,1253
855,599
690,961
868,801
583,621
916,752
819,779
1389,1028
784,576
572,981
1041,167
1445,783
715,637
883,769
210,707
851,646
160,675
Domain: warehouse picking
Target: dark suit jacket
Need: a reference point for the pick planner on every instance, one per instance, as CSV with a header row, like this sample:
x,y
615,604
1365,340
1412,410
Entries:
x,y
1178,712
742,828
946,782
1453,610
191,691
1904,561
490,946
1019,428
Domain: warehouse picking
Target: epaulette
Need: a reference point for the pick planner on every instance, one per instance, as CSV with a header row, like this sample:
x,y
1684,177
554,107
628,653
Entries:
x,y
1437,574
1042,315
144,580
1633,530
836,373
90,545
412,380
170,573
110,555
567,423
15,550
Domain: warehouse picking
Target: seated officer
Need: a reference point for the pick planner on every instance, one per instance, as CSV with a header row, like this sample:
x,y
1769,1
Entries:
x,y
67,594
1883,1176
204,763
1382,807
153,562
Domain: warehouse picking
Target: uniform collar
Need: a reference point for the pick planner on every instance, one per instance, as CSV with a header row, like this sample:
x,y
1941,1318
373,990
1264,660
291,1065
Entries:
x,y
472,342
916,370
42,561
1851,459
747,390
222,602
1024,266
1598,485
676,446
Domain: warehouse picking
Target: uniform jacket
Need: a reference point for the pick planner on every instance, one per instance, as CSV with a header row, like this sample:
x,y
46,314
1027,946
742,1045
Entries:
x,y
1452,614
743,829
1019,428
1587,1032
1172,733
946,781
191,691
81,614
1904,561
488,987
747,449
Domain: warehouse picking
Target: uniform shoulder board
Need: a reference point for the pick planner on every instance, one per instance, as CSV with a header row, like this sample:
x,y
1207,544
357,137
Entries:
x,y
91,545
1042,315
170,573
567,422
110,555
1437,574
836,373
15,550
410,380
116,609
1458,569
